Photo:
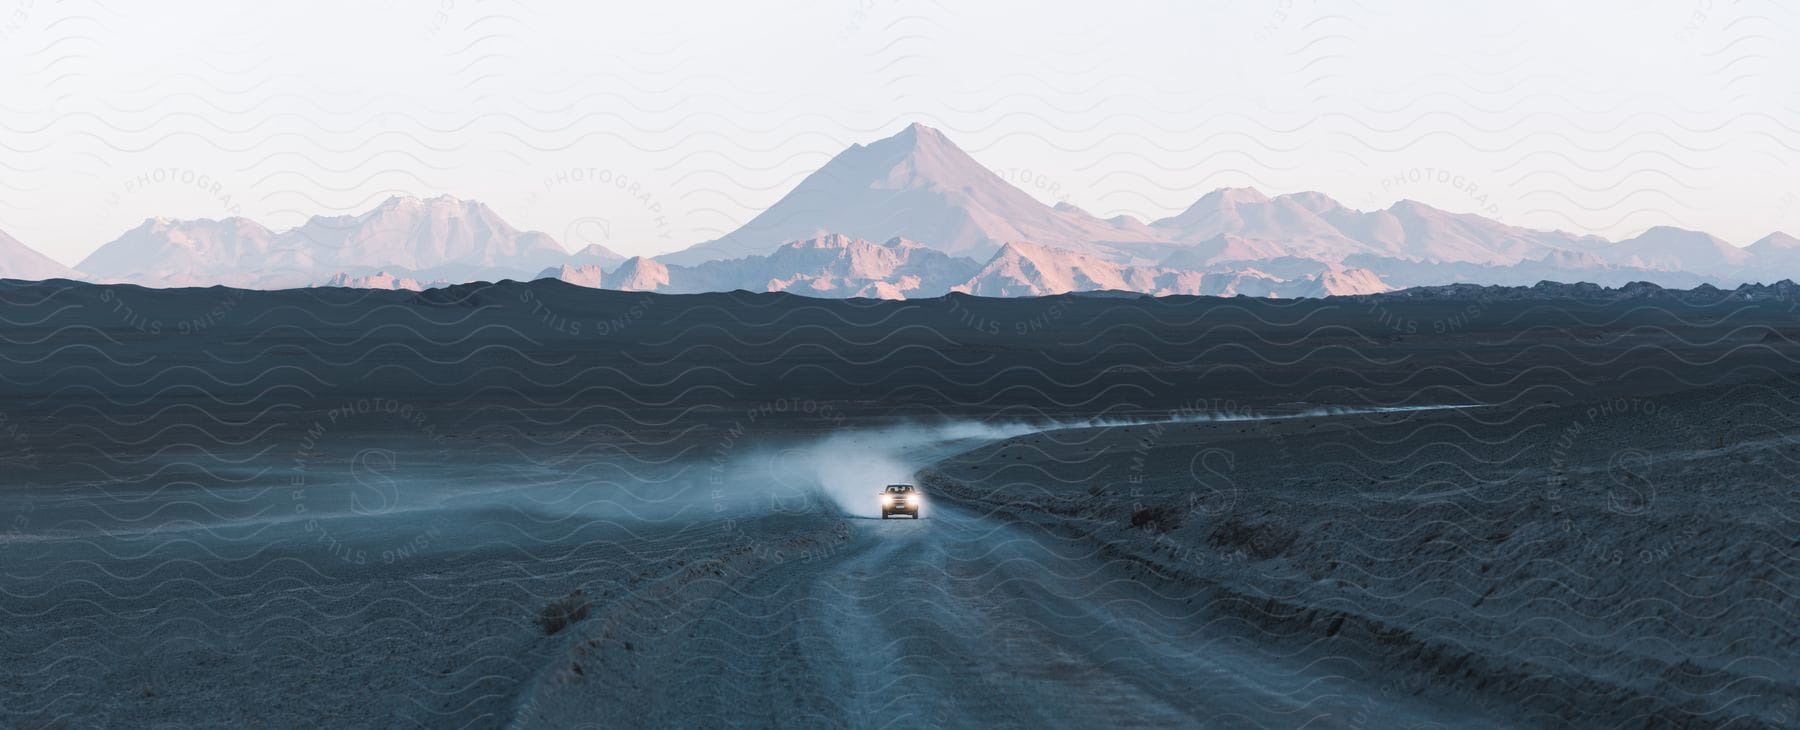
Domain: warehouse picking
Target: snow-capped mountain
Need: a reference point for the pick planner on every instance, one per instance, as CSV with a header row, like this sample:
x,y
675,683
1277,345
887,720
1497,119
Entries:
x,y
425,239
915,185
18,261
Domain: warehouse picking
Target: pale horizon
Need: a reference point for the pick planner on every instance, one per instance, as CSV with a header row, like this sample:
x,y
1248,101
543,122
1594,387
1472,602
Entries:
x,y
1606,120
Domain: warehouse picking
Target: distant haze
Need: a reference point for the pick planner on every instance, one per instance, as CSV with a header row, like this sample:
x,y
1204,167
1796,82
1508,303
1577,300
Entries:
x,y
649,127
909,216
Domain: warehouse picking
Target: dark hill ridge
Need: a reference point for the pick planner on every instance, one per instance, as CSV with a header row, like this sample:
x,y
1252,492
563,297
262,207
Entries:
x,y
548,342
1782,291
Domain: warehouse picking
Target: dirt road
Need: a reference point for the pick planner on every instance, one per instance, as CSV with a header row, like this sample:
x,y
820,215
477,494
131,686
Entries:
x,y
954,620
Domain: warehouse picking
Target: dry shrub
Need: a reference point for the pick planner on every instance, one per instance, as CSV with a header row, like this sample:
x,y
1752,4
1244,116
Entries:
x,y
1259,540
1159,518
562,612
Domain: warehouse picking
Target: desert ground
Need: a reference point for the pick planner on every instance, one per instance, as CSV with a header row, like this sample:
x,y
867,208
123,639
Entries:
x,y
537,505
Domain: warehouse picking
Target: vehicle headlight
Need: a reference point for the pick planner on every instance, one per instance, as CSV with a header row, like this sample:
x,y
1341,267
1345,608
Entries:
x,y
886,498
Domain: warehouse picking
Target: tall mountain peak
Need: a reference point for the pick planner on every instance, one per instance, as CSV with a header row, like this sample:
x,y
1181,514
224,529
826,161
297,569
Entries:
x,y
1238,195
916,184
921,136
18,261
1776,240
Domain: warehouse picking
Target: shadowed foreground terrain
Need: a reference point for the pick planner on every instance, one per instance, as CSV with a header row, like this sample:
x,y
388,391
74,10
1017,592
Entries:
x,y
1461,506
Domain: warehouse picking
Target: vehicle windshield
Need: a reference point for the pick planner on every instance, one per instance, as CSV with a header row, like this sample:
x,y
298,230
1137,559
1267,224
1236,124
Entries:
x,y
899,488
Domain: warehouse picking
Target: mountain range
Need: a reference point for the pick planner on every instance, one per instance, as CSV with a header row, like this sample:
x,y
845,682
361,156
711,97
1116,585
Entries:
x,y
836,265
913,215
436,239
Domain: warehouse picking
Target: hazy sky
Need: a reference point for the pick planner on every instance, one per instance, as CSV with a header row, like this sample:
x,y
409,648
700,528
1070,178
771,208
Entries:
x,y
650,126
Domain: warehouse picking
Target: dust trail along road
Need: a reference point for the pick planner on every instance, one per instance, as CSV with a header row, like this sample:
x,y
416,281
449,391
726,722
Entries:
x,y
960,620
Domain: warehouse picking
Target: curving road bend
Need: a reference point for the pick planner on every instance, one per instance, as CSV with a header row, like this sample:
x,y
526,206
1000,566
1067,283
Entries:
x,y
957,620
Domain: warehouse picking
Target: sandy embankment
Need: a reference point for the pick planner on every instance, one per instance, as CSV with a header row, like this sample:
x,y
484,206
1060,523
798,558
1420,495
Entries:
x,y
1605,563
